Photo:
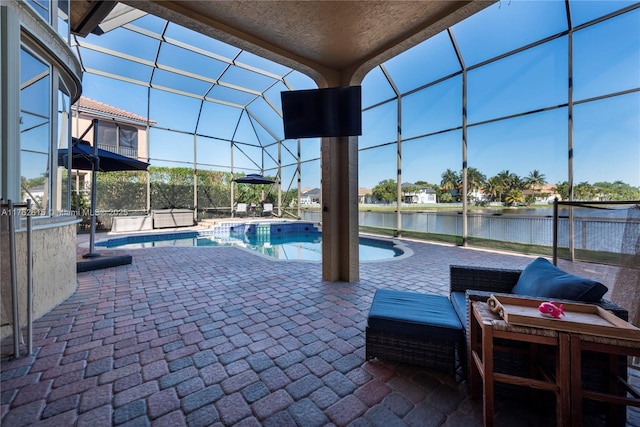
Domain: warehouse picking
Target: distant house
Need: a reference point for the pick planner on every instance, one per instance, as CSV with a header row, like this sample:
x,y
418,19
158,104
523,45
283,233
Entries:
x,y
478,195
119,131
544,193
364,196
310,196
418,194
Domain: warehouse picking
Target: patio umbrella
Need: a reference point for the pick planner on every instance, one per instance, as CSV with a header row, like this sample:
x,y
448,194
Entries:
x,y
86,157
254,178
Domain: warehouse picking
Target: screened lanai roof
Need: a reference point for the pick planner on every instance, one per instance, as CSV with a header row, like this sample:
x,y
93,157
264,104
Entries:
x,y
228,93
544,90
515,54
210,77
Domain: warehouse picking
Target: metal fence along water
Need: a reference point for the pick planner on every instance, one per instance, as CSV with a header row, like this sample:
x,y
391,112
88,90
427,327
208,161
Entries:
x,y
593,230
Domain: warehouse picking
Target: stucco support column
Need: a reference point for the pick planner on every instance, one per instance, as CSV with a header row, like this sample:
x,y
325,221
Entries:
x,y
339,162
340,250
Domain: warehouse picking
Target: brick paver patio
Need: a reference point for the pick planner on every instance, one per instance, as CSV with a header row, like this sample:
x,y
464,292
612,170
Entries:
x,y
220,336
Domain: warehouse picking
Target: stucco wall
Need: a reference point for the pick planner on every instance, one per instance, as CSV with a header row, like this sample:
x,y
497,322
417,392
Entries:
x,y
54,269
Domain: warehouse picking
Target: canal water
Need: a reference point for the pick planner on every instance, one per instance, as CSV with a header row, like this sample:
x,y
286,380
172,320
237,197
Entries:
x,y
615,230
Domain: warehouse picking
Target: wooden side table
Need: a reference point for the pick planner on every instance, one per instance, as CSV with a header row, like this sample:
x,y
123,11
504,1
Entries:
x,y
621,393
484,328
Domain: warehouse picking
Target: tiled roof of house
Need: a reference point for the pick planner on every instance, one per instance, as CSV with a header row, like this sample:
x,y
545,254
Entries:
x,y
100,107
545,189
422,188
312,192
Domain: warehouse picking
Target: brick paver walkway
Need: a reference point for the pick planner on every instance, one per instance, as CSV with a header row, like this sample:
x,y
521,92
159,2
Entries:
x,y
219,336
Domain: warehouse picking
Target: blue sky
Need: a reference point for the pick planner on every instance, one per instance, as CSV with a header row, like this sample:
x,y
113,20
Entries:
x,y
606,60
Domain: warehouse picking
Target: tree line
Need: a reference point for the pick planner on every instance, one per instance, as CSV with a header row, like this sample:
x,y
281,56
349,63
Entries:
x,y
173,188
506,187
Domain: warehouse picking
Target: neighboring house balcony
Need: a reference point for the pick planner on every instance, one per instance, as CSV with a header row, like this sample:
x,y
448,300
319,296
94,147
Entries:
x,y
124,151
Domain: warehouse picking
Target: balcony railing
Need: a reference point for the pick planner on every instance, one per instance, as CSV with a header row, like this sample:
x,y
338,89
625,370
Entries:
x,y
124,151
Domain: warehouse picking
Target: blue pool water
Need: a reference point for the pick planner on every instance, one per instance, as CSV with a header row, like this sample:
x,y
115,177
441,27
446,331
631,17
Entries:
x,y
296,245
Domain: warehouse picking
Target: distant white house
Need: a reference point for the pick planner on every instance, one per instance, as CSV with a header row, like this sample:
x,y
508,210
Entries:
x,y
544,193
364,195
310,196
477,195
418,194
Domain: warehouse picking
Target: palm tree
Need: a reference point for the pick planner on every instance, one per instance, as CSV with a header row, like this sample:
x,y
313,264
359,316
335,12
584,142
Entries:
x,y
493,188
506,181
475,180
450,180
513,197
535,180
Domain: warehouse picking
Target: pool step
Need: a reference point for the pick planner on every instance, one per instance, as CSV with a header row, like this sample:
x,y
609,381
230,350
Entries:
x,y
261,228
284,228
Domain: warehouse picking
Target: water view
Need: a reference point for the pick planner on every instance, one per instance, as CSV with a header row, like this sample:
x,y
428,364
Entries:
x,y
595,229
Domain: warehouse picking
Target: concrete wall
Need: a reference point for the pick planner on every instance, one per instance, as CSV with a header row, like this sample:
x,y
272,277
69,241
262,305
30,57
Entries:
x,y
54,268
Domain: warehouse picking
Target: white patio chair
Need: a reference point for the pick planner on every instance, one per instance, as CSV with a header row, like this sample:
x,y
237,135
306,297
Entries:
x,y
241,209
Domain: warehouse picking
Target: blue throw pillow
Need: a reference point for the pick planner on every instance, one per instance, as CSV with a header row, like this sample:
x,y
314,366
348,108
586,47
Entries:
x,y
543,279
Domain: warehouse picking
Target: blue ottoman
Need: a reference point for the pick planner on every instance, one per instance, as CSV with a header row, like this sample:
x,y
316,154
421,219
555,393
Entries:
x,y
409,327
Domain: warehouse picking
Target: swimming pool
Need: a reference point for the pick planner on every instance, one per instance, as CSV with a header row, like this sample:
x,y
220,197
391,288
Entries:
x,y
295,245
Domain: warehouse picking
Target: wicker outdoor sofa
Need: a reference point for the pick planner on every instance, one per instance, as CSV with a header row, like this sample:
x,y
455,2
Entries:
x,y
478,283
431,330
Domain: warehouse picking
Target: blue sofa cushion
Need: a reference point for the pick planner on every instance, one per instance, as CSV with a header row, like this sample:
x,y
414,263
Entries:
x,y
414,314
459,303
543,279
